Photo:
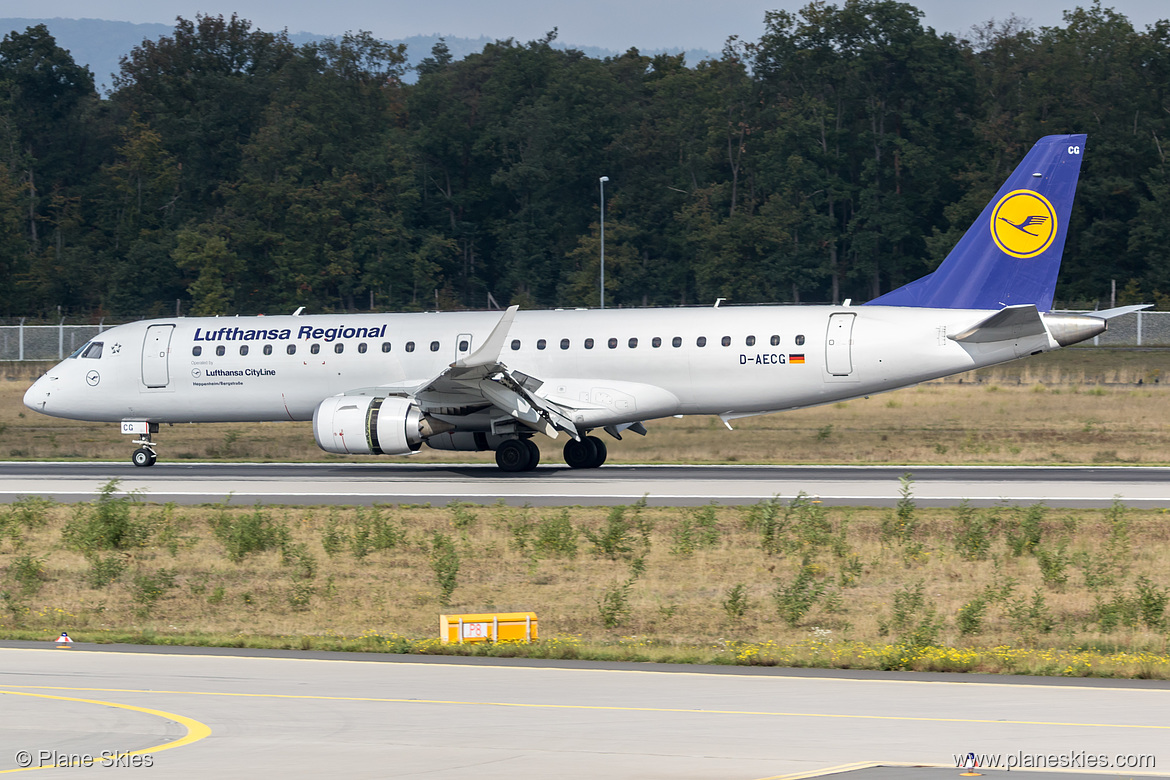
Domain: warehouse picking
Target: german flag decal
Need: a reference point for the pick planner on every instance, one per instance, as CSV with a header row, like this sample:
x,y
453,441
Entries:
x,y
796,360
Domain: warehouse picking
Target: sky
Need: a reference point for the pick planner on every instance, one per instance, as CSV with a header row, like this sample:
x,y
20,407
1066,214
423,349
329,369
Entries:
x,y
612,24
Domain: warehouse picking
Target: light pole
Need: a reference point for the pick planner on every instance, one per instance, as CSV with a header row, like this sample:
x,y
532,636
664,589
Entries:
x,y
602,182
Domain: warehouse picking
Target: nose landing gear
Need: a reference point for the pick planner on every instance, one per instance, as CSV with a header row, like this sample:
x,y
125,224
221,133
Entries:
x,y
145,455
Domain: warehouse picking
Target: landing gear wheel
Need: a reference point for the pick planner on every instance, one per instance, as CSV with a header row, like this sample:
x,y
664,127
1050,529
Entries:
x,y
143,457
600,451
513,455
533,454
580,454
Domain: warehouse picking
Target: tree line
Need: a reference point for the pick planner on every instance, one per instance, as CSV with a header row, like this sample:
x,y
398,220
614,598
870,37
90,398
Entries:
x,y
840,155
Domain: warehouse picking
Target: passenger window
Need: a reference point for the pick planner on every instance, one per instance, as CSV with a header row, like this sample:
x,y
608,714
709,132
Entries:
x,y
464,346
564,343
800,341
315,348
588,343
339,348
267,349
434,346
196,351
410,346
515,344
291,349
775,341
243,349
676,341
541,343
656,342
633,343
613,343
220,350
362,348
727,341
751,341
94,350
385,346
701,341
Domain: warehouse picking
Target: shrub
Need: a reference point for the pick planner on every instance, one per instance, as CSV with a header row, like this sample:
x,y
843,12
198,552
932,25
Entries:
x,y
29,573
973,532
794,600
299,557
242,535
736,604
556,536
851,570
104,569
909,601
970,617
30,511
901,526
1025,531
300,595
461,515
1151,603
613,540
1053,564
445,565
106,524
149,588
1030,616
614,604
333,538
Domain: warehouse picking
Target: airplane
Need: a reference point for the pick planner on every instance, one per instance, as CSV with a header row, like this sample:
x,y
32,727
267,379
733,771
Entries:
x,y
475,381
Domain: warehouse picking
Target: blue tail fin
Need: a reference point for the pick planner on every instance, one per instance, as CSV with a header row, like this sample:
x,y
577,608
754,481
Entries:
x,y
1011,255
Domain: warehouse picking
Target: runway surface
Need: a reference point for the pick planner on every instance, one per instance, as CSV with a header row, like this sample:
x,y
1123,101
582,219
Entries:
x,y
295,715
396,482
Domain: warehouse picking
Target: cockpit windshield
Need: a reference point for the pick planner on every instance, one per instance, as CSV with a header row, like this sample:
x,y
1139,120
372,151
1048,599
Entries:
x,y
92,350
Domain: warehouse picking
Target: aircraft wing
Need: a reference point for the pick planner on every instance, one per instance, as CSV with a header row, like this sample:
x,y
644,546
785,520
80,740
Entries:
x,y
480,380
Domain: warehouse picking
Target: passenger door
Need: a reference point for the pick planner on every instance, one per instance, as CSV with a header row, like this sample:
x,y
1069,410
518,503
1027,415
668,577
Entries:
x,y
156,352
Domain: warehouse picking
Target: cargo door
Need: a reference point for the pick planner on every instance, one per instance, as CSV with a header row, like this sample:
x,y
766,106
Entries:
x,y
156,354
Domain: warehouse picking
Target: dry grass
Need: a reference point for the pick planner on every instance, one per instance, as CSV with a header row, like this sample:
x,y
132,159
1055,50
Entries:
x,y
1073,406
298,594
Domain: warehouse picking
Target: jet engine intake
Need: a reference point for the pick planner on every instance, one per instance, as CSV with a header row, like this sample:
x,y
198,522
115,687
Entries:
x,y
367,425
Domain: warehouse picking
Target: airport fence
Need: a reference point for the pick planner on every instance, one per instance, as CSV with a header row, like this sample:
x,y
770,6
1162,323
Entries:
x,y
55,342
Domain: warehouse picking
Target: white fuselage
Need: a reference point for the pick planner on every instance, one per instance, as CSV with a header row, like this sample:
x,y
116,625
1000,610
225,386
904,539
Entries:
x,y
228,369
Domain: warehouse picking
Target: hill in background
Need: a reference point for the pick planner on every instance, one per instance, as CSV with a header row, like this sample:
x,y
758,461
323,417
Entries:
x,y
99,44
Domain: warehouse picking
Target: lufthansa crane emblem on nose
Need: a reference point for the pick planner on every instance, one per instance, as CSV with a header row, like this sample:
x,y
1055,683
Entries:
x,y
92,378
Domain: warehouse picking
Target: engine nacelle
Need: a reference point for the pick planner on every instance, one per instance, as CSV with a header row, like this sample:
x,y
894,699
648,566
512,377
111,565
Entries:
x,y
365,425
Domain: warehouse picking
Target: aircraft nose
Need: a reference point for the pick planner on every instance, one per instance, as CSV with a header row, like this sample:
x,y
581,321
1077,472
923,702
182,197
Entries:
x,y
37,396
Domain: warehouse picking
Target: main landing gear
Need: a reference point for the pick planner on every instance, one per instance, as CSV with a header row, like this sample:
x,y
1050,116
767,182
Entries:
x,y
517,455
588,453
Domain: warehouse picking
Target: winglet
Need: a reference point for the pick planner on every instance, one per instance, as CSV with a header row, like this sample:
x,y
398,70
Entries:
x,y
489,352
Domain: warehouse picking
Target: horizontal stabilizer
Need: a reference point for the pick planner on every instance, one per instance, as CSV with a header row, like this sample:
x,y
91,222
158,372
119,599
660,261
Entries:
x,y
1108,314
1013,322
